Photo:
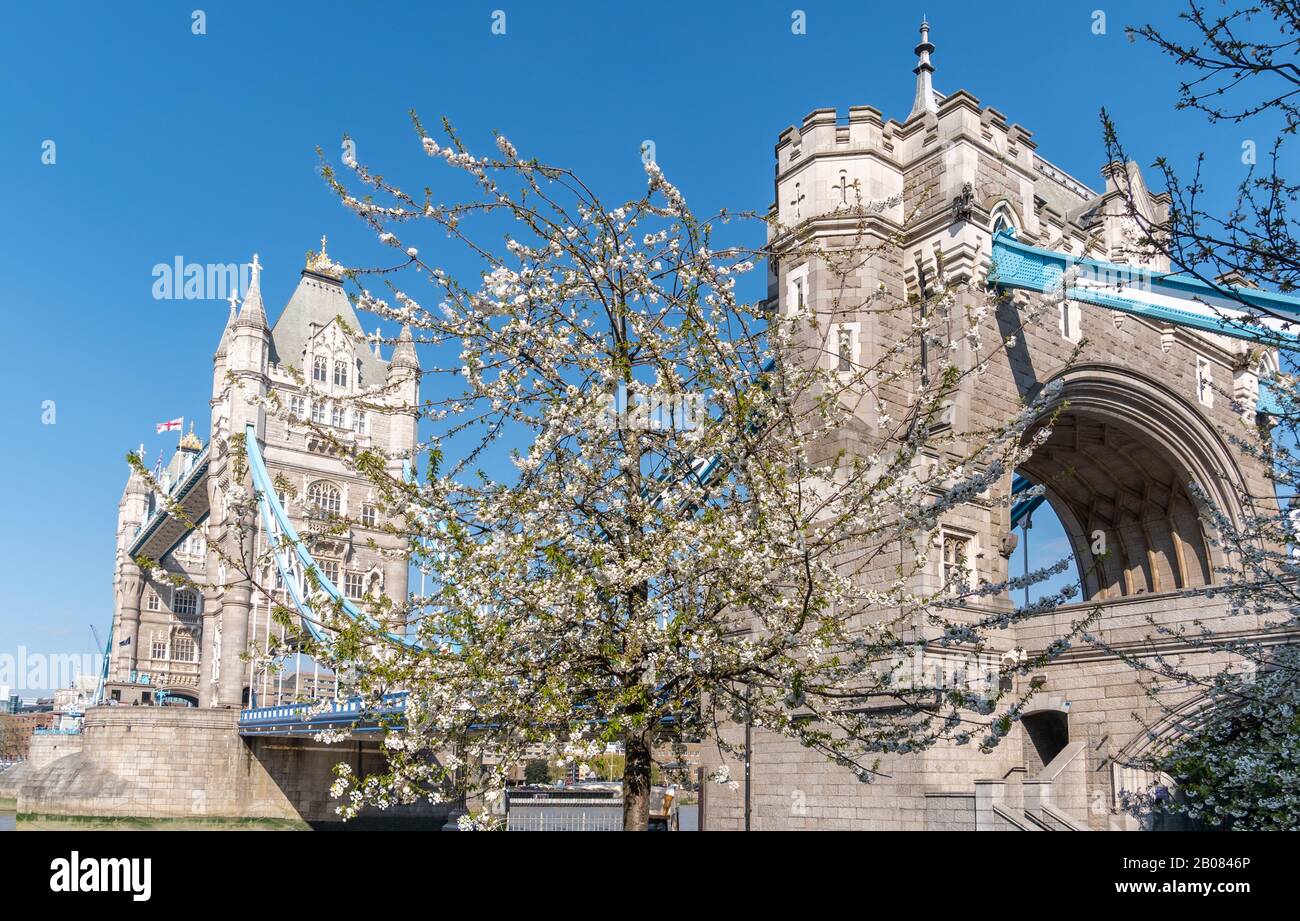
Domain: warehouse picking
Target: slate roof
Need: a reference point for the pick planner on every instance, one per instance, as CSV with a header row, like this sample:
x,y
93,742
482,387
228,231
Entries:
x,y
319,299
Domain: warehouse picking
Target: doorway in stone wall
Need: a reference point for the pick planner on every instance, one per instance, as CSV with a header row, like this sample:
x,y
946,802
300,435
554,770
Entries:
x,y
1047,732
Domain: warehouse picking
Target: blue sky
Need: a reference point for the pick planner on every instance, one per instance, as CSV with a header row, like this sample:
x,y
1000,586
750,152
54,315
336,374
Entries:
x,y
203,146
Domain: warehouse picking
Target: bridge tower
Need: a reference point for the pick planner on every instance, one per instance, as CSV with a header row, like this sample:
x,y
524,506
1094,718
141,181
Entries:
x,y
1144,414
195,615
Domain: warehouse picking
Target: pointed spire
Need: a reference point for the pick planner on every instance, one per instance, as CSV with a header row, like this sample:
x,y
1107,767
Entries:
x,y
223,347
924,101
254,314
134,482
378,334
404,353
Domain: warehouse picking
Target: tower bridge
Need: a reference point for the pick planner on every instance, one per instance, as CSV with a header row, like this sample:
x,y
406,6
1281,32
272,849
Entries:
x,y
1153,369
1144,358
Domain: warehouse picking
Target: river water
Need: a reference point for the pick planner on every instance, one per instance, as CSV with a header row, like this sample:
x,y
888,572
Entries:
x,y
7,820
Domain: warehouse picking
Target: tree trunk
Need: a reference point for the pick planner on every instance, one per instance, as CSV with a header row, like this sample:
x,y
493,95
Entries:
x,y
636,782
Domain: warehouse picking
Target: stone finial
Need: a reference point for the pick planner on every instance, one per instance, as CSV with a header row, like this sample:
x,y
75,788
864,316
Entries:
x,y
404,352
321,264
223,347
253,314
191,441
924,101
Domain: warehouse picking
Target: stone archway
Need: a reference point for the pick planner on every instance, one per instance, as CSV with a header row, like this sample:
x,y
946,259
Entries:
x,y
1116,469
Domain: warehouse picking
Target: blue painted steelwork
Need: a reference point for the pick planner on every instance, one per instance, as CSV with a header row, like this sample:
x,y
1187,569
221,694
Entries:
x,y
1268,401
281,534
1023,508
179,490
293,719
1259,316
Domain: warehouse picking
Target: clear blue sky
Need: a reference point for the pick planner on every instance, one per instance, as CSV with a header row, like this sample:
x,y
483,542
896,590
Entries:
x,y
203,146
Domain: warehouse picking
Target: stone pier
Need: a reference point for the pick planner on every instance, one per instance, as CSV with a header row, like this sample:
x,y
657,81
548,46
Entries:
x,y
155,762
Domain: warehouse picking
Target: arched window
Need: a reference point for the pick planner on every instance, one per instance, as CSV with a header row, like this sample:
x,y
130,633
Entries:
x,y
318,368
1267,367
340,374
324,497
1004,218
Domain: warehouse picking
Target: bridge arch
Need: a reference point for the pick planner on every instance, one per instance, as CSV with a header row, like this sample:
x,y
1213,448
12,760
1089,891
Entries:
x,y
1115,471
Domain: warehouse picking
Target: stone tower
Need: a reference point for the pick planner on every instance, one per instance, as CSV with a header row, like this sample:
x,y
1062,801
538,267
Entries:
x,y
183,627
1140,421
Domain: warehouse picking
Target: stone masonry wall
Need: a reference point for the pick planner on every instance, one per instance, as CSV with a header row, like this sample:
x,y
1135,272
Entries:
x,y
192,763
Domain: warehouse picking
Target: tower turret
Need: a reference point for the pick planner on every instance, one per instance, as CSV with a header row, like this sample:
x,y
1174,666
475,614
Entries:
x,y
221,355
404,387
128,581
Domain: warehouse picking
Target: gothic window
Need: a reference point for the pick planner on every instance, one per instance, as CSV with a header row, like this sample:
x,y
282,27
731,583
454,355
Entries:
x,y
319,368
359,421
331,570
368,516
318,412
336,417
158,648
844,350
183,649
1003,218
324,497
1070,323
340,374
796,290
296,407
355,585
152,603
193,546
185,603
956,561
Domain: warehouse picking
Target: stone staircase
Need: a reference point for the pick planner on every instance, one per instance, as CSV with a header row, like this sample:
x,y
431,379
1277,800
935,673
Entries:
x,y
1054,800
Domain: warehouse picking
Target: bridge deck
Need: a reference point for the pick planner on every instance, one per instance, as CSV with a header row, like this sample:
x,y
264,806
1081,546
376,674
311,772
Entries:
x,y
309,718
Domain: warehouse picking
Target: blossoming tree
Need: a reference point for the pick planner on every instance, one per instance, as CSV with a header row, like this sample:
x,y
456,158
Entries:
x,y
646,503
